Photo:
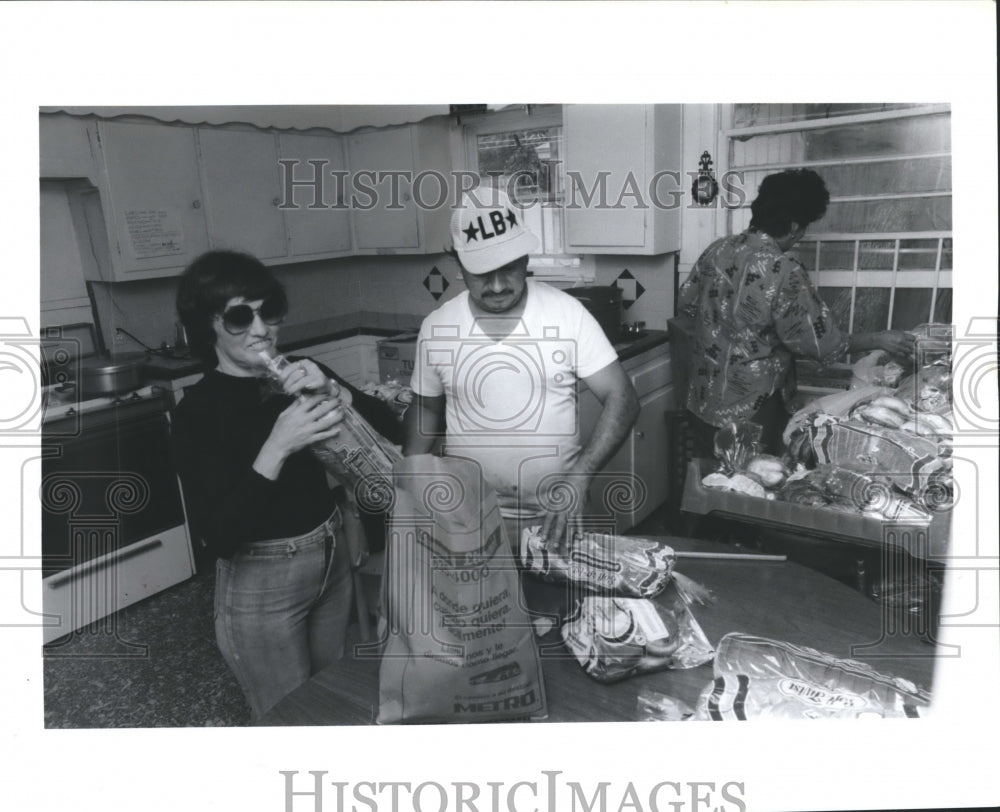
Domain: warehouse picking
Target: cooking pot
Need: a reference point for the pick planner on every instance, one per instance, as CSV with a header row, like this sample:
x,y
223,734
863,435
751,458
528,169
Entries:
x,y
111,376
604,303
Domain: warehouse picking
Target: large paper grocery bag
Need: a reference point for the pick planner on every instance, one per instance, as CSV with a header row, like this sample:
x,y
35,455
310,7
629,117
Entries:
x,y
460,645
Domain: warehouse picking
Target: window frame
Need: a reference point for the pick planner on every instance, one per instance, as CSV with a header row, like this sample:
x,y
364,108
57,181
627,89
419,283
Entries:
x,y
563,267
936,279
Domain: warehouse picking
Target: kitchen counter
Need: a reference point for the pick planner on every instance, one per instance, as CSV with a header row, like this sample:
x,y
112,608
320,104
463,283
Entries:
x,y
301,336
779,600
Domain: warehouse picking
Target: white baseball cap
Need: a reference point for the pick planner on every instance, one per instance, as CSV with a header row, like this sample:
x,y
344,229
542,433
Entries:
x,y
488,231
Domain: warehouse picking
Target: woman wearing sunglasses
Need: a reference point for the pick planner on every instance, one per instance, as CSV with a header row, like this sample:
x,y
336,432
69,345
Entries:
x,y
256,497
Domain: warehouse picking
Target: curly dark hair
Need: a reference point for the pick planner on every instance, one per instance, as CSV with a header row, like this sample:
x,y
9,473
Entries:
x,y
209,282
796,196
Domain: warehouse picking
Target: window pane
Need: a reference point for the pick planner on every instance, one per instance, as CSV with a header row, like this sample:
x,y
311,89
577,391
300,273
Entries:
x,y
942,307
908,214
871,310
911,307
750,115
907,136
529,156
918,255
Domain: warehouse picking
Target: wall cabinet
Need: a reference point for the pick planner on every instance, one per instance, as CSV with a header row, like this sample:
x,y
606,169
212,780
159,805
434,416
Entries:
x,y
634,482
316,217
388,214
151,198
165,193
624,180
242,191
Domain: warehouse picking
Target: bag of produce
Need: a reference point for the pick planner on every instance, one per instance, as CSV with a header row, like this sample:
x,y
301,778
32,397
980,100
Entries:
x,y
757,678
928,390
613,565
907,461
878,369
736,444
617,638
459,646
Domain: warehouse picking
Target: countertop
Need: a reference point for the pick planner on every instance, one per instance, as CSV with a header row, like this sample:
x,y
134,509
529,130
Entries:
x,y
780,600
164,368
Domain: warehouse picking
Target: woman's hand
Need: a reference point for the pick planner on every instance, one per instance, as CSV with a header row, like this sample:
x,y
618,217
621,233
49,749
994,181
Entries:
x,y
896,342
310,419
305,376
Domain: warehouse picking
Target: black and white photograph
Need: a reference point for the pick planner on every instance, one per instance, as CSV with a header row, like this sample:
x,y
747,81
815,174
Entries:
x,y
365,450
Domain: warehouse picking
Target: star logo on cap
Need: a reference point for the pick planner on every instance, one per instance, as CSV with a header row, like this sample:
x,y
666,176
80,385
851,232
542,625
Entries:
x,y
511,218
471,233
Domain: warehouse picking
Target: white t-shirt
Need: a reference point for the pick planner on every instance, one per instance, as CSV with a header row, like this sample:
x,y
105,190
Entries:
x,y
511,404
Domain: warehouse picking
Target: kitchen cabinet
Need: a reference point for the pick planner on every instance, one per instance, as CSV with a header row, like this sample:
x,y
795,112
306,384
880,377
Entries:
x,y
640,464
158,195
317,219
151,199
62,287
241,182
385,215
623,181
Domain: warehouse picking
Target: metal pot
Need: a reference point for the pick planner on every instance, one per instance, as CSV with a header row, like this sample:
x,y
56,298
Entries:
x,y
111,376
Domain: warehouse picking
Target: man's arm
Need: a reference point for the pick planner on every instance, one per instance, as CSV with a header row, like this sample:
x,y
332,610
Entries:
x,y
423,425
614,390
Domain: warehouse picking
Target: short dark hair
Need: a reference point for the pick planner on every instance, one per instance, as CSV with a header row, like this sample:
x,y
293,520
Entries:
x,y
794,196
209,282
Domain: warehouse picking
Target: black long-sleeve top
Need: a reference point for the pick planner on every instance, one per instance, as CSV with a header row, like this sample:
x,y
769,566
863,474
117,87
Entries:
x,y
218,430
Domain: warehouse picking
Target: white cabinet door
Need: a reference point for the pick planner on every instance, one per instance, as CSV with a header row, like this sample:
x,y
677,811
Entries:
x,y
240,171
313,196
624,178
384,213
153,198
649,452
62,287
605,144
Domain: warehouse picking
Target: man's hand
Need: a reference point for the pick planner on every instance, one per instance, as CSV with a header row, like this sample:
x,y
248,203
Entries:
x,y
564,502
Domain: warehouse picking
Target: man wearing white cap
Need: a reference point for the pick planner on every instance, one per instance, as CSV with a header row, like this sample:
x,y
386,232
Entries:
x,y
497,369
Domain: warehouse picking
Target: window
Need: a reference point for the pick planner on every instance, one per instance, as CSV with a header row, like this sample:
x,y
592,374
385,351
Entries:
x,y
521,150
882,255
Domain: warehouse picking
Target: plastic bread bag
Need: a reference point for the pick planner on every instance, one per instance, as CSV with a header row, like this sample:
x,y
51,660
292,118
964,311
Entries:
x,y
757,678
459,645
736,444
617,638
358,457
627,566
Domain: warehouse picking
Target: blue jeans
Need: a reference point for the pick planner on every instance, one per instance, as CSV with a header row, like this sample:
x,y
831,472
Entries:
x,y
281,611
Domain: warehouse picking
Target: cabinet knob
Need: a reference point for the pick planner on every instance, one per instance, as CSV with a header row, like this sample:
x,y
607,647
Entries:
x,y
406,197
196,204
275,202
640,433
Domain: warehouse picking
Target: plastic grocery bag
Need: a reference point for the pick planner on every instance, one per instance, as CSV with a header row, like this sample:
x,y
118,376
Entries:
x,y
757,678
627,566
617,638
459,643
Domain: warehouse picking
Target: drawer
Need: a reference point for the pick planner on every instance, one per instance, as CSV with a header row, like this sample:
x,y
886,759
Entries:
x,y
98,588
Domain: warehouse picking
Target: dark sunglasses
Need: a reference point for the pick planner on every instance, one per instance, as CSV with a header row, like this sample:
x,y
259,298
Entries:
x,y
238,318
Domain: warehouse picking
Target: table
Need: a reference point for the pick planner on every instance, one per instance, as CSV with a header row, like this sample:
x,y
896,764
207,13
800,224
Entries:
x,y
776,599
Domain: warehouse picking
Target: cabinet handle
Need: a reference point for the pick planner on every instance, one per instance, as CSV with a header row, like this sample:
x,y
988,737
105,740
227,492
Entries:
x,y
93,566
639,433
196,204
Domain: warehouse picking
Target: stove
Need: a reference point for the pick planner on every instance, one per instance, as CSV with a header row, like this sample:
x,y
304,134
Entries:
x,y
113,523
62,403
